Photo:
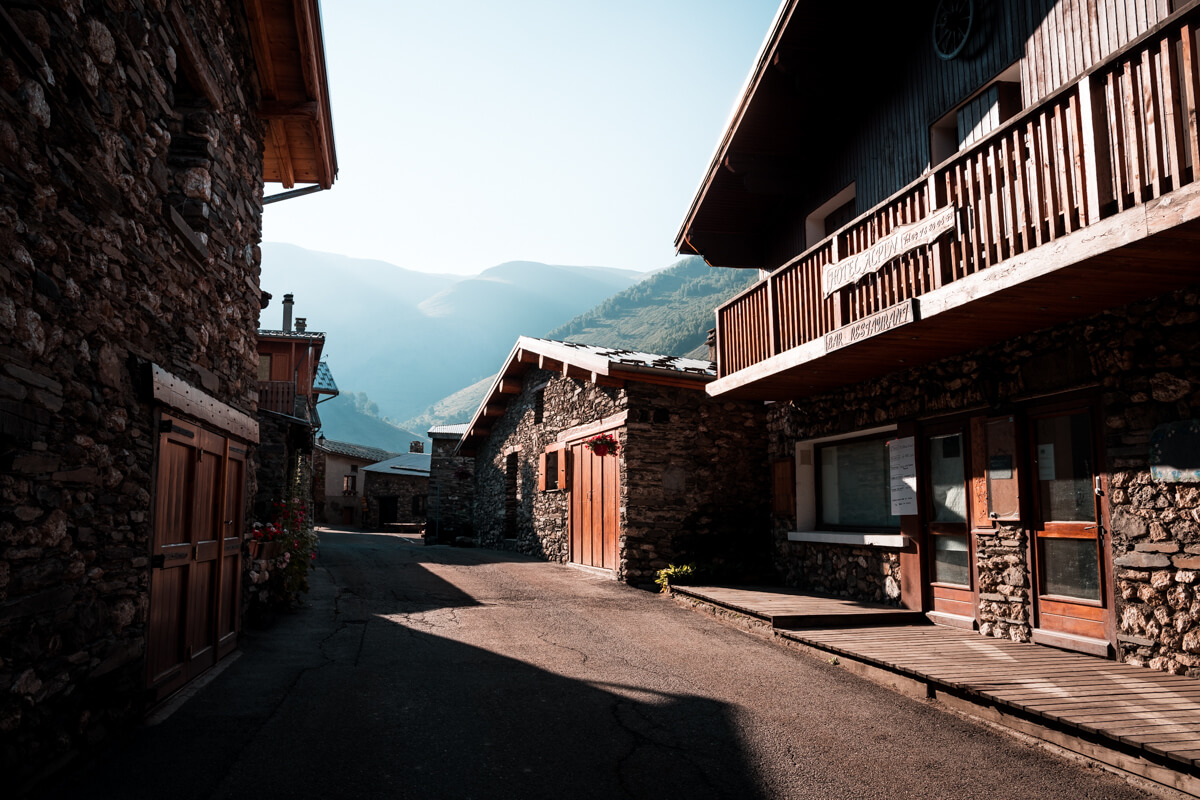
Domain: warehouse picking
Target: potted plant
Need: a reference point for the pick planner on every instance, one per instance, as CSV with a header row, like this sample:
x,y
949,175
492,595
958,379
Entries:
x,y
603,444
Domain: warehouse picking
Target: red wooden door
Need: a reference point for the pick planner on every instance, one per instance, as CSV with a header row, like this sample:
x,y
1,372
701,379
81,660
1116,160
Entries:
x,y
595,508
196,554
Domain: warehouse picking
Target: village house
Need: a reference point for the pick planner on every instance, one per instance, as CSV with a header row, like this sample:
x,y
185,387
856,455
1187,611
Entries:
x,y
291,382
338,479
686,481
451,487
396,491
979,314
135,140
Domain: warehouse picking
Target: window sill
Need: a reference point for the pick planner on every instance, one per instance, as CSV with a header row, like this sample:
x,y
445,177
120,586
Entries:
x,y
859,539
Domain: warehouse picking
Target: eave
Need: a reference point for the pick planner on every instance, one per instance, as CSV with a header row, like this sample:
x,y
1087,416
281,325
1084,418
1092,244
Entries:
x,y
289,52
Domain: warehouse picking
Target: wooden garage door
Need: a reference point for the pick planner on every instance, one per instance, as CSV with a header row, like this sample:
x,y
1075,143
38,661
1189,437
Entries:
x,y
595,522
196,568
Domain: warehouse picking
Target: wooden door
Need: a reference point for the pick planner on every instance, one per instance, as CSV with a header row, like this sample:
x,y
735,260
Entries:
x,y
1069,557
196,554
595,508
947,515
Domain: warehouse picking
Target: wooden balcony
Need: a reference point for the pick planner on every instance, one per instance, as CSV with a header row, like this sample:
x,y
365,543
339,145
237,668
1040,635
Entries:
x,y
277,396
1083,202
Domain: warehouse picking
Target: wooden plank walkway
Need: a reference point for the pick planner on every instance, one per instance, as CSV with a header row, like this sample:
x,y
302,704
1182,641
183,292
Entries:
x,y
1142,709
790,608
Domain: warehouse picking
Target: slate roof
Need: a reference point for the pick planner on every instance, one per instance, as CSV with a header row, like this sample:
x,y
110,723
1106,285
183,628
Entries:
x,y
632,358
404,464
267,334
356,450
323,382
448,431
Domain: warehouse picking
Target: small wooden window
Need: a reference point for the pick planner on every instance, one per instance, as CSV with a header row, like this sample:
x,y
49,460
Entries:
x,y
539,406
783,498
552,469
348,484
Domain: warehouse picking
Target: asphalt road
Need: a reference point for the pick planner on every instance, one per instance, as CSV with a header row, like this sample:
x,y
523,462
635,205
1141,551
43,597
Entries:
x,y
432,672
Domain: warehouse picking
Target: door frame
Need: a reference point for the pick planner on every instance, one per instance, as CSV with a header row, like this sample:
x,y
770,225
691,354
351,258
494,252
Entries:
x,y
961,425
575,501
1061,406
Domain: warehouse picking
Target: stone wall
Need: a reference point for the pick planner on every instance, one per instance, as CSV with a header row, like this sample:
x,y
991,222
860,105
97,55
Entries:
x,y
451,493
405,488
692,475
698,489
541,517
1142,362
129,220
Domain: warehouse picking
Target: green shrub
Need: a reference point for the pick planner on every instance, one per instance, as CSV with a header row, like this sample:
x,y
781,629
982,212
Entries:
x,y
683,574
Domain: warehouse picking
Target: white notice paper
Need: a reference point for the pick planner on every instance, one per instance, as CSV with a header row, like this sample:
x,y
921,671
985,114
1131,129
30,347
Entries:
x,y
902,460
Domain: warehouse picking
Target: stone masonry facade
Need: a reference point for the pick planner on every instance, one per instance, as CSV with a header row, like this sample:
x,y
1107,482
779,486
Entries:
x,y
1142,363
691,471
451,492
410,492
129,221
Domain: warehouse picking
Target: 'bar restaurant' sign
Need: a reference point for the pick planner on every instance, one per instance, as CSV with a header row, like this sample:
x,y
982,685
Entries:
x,y
902,239
873,325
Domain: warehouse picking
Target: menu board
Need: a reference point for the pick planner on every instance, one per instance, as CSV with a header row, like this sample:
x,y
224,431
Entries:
x,y
902,463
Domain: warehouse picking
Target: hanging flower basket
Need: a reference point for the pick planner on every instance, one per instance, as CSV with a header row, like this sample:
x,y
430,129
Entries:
x,y
603,445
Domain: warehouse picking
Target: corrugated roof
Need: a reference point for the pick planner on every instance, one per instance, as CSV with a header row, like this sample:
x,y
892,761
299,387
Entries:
x,y
404,464
448,431
355,450
265,334
636,358
323,382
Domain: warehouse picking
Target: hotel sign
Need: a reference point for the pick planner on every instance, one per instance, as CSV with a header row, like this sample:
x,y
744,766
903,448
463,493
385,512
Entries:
x,y
902,239
865,328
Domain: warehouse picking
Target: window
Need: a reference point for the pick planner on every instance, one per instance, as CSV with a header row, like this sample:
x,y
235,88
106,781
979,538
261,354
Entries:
x,y
539,406
349,486
264,367
946,493
552,469
511,465
979,115
829,216
418,504
354,467
853,481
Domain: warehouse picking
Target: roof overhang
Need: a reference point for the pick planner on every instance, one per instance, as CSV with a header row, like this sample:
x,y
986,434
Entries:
x,y
289,52
561,358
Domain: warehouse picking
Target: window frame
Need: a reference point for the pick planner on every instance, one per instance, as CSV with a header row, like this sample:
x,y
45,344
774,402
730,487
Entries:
x,y
964,529
821,524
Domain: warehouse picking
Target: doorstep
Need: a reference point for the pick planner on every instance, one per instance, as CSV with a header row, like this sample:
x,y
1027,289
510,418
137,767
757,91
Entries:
x,y
1134,720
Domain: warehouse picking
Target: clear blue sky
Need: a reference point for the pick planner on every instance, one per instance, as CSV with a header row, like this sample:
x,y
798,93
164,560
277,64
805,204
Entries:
x,y
475,132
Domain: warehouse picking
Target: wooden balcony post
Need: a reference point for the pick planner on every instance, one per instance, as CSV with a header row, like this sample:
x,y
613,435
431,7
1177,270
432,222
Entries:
x,y
772,317
718,344
1191,95
1094,152
940,255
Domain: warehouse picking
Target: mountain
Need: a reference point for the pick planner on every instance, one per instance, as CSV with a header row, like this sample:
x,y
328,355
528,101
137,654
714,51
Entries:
x,y
409,338
352,417
669,312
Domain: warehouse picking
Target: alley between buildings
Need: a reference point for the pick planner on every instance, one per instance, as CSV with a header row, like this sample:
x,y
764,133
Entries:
x,y
433,672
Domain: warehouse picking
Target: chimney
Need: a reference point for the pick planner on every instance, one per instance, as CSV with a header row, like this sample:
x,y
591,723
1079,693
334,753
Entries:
x,y
287,313
301,324
711,341
416,447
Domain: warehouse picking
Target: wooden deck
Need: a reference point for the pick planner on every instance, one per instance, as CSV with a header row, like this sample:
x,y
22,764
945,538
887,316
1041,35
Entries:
x,y
1131,709
789,608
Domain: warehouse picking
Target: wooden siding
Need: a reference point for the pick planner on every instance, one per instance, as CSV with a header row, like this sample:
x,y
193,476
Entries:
x,y
1121,136
1054,43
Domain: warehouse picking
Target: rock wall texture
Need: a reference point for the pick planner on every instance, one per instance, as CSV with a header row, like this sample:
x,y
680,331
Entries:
x,y
410,492
1141,364
451,493
692,475
129,220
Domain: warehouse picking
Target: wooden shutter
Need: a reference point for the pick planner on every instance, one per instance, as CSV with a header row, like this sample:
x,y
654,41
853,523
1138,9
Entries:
x,y
783,498
564,474
542,472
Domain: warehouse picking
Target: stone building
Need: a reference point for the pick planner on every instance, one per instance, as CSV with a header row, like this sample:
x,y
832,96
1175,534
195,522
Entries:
x,y
135,140
397,490
983,348
451,487
338,479
688,482
292,380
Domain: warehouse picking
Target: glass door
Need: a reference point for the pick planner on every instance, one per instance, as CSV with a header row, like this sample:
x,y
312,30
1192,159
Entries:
x,y
1068,557
951,578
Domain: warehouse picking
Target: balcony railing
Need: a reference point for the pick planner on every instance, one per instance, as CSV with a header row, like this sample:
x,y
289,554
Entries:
x,y
1120,136
277,396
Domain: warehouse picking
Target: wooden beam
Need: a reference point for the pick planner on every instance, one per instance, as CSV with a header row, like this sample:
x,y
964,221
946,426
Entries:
x,y
261,45
572,371
528,357
283,153
308,54
178,394
606,381
549,364
275,109
494,409
509,386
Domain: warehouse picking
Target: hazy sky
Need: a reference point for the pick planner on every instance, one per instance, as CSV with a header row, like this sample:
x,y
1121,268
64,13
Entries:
x,y
475,132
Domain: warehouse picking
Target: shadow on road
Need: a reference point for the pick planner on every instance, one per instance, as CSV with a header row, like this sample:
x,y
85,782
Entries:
x,y
367,693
